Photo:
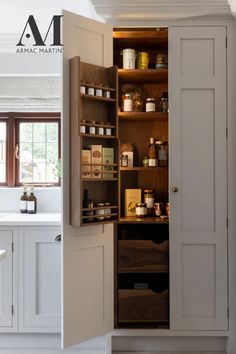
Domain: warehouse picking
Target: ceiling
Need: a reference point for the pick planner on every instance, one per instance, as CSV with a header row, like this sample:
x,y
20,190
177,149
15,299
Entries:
x,y
122,10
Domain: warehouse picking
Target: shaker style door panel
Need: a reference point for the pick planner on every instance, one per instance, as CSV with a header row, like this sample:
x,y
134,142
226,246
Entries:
x,y
198,222
40,294
87,252
6,281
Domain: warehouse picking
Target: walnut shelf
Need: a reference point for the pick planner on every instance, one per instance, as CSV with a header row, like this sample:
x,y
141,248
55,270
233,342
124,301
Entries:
x,y
98,87
145,117
144,169
146,220
97,98
143,75
98,136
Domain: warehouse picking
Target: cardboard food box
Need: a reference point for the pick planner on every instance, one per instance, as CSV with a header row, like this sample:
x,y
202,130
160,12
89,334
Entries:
x,y
86,158
132,197
96,158
108,157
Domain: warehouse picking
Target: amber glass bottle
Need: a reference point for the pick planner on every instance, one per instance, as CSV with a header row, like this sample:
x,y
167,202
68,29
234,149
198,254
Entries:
x,y
32,202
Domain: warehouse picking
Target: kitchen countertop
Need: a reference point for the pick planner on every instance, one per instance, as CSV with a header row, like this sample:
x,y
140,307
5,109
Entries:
x,y
39,219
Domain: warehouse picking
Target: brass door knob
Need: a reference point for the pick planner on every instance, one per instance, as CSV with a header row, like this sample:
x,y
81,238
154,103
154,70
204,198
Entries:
x,y
174,189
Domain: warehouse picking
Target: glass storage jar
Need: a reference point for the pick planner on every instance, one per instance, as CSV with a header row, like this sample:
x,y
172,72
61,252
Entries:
x,y
141,210
148,197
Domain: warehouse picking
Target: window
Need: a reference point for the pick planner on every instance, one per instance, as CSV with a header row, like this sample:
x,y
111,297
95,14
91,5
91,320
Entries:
x,y
29,148
3,134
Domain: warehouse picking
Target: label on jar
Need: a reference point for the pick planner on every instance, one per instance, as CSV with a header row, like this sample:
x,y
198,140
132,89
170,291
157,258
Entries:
x,y
152,162
141,211
128,105
82,129
149,201
98,92
91,91
30,205
82,89
108,131
150,107
23,205
92,130
101,131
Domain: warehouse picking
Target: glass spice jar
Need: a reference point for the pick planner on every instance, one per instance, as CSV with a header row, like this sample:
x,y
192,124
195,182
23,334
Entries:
x,y
158,207
150,105
162,153
164,104
82,127
107,210
127,103
168,209
124,161
141,210
100,130
148,197
92,129
100,212
145,161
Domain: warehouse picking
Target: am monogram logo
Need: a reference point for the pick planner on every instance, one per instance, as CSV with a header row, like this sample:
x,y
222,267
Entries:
x,y
55,26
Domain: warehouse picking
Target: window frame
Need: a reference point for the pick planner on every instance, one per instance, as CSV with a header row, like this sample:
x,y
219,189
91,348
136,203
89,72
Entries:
x,y
13,120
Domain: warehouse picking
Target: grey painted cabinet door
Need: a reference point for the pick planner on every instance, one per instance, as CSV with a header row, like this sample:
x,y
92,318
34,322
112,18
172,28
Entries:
x,y
198,168
87,252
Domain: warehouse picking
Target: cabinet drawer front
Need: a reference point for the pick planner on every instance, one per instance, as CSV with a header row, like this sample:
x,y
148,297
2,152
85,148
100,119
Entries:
x,y
143,306
143,255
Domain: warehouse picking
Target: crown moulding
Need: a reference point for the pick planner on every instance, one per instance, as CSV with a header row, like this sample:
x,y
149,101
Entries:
x,y
164,9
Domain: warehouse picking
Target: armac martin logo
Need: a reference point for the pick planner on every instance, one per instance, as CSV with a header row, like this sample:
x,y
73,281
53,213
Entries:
x,y
32,41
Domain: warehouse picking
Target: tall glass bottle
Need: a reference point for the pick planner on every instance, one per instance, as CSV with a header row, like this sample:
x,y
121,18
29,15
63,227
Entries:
x,y
32,202
23,201
152,155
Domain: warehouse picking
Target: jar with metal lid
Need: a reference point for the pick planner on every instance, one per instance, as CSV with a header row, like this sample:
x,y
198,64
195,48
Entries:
x,y
162,153
91,91
98,92
100,212
161,61
92,129
127,103
100,130
141,210
107,94
164,104
148,197
107,210
150,105
158,207
82,126
168,209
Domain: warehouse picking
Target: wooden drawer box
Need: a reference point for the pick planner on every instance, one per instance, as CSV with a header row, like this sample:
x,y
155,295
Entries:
x,y
143,306
143,255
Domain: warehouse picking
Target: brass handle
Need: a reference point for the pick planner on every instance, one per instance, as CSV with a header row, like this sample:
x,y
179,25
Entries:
x,y
174,189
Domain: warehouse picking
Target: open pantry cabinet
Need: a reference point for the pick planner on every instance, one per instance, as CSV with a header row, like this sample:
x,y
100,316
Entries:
x,y
156,272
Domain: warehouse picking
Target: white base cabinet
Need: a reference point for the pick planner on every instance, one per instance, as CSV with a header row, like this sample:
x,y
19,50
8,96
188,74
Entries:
x,y
40,284
8,282
30,279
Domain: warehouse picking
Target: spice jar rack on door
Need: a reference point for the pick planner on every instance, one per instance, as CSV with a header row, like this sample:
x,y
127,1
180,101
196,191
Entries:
x,y
93,123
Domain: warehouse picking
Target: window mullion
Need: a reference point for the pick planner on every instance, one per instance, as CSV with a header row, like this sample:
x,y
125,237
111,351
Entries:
x,y
11,143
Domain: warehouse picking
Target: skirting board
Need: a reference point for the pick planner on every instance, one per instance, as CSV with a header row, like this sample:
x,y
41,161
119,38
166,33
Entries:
x,y
168,352
53,351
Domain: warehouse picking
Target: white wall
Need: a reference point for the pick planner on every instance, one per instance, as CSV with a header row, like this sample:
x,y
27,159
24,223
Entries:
x,y
13,17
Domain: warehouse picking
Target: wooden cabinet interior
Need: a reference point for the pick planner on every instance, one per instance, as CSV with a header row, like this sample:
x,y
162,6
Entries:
x,y
142,247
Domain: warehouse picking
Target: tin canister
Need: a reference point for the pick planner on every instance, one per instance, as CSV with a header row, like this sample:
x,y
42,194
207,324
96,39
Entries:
x,y
142,60
129,56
